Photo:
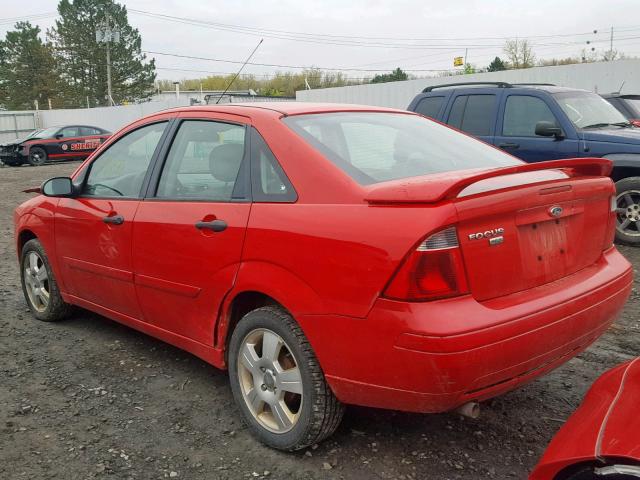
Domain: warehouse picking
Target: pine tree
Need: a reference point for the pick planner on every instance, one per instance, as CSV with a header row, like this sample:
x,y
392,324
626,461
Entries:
x,y
27,69
82,60
497,65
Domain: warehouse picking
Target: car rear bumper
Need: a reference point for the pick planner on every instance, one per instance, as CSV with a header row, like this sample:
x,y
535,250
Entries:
x,y
435,356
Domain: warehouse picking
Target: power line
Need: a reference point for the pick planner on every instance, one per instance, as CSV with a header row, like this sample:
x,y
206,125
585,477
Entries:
x,y
261,31
274,65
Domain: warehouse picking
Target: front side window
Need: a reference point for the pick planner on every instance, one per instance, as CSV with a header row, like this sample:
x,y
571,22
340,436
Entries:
x,y
68,132
204,162
473,113
588,110
375,147
522,113
120,170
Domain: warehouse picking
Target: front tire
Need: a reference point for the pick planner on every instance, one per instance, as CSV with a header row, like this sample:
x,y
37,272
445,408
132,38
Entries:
x,y
39,285
37,156
628,211
277,382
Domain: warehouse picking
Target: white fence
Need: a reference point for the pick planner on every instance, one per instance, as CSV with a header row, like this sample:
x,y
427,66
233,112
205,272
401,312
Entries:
x,y
602,77
16,124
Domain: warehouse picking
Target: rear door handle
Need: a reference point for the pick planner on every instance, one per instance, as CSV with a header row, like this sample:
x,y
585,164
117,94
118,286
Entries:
x,y
215,225
509,145
114,219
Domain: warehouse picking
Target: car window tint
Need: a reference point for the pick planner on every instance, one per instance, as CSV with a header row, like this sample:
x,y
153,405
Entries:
x,y
120,170
430,106
84,131
521,113
203,162
375,147
70,132
269,182
473,114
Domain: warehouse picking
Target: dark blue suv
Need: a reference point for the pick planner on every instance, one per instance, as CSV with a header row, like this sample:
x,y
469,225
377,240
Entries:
x,y
537,122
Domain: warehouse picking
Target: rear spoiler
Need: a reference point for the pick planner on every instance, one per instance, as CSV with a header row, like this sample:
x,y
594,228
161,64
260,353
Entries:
x,y
430,189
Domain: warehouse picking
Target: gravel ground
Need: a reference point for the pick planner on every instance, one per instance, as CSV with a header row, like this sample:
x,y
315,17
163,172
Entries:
x,y
89,398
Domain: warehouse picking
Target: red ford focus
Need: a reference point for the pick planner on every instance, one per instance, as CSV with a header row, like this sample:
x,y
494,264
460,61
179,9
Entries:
x,y
330,255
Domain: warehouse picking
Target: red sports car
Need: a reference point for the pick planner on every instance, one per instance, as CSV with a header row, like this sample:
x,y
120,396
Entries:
x,y
601,440
330,255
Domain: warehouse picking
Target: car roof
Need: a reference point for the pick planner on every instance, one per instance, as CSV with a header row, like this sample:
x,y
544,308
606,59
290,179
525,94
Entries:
x,y
502,85
285,108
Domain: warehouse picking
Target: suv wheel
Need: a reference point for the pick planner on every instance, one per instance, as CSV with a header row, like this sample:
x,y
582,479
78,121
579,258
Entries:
x,y
277,382
628,210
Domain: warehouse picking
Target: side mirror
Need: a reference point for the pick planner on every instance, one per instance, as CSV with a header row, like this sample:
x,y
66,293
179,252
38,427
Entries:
x,y
548,129
59,135
58,187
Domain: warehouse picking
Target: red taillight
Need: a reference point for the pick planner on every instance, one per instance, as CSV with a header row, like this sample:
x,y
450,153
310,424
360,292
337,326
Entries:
x,y
635,121
433,270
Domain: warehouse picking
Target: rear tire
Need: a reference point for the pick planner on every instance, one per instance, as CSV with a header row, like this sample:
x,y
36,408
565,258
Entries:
x,y
39,285
260,379
37,156
628,211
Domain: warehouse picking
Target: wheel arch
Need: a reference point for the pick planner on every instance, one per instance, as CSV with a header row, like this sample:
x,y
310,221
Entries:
x,y
24,236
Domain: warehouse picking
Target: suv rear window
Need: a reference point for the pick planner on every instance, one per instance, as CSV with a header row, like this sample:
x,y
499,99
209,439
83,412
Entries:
x,y
376,147
430,106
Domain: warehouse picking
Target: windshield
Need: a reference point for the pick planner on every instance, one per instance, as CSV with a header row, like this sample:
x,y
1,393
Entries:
x,y
375,147
33,134
45,133
586,109
634,103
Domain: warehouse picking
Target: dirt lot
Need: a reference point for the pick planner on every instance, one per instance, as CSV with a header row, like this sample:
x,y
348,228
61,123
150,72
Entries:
x,y
88,398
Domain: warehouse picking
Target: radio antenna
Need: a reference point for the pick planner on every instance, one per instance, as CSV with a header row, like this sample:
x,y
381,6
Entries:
x,y
236,75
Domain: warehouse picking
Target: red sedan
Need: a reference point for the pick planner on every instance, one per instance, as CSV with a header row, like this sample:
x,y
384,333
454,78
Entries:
x,y
601,440
330,255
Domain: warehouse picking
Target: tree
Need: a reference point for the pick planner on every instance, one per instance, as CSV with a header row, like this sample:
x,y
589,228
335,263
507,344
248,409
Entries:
x,y
82,59
519,53
496,66
27,69
397,75
469,69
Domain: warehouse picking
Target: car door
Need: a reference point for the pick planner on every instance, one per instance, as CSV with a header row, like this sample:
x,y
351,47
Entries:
x,y
61,146
519,114
94,230
475,113
189,231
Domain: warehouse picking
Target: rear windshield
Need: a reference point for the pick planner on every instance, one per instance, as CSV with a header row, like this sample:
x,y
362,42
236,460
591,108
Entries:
x,y
374,147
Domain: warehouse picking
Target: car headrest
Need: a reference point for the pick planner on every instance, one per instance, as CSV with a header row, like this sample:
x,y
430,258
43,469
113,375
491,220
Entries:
x,y
224,161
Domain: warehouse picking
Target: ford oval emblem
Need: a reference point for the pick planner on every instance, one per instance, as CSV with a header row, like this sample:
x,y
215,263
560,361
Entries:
x,y
555,211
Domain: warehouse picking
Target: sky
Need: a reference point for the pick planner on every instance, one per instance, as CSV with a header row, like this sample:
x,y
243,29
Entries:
x,y
356,36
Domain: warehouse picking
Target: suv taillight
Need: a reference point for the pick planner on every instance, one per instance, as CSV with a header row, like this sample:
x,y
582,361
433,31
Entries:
x,y
433,270
611,225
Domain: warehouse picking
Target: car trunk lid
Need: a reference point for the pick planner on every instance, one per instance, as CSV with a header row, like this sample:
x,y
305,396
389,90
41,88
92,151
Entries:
x,y
524,226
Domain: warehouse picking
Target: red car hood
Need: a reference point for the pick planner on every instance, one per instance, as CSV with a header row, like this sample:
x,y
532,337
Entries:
x,y
606,425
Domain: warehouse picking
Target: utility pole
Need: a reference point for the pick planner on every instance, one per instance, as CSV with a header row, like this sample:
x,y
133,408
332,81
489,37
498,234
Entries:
x,y
611,46
106,34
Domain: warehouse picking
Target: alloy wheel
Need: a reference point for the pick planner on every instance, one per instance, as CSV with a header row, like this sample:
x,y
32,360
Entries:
x,y
628,212
270,380
36,279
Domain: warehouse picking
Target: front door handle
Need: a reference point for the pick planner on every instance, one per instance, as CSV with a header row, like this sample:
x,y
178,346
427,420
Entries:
x,y
215,225
509,145
114,219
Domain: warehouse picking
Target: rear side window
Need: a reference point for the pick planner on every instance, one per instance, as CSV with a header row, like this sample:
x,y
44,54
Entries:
x,y
204,162
374,147
473,114
521,113
269,183
85,131
430,106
